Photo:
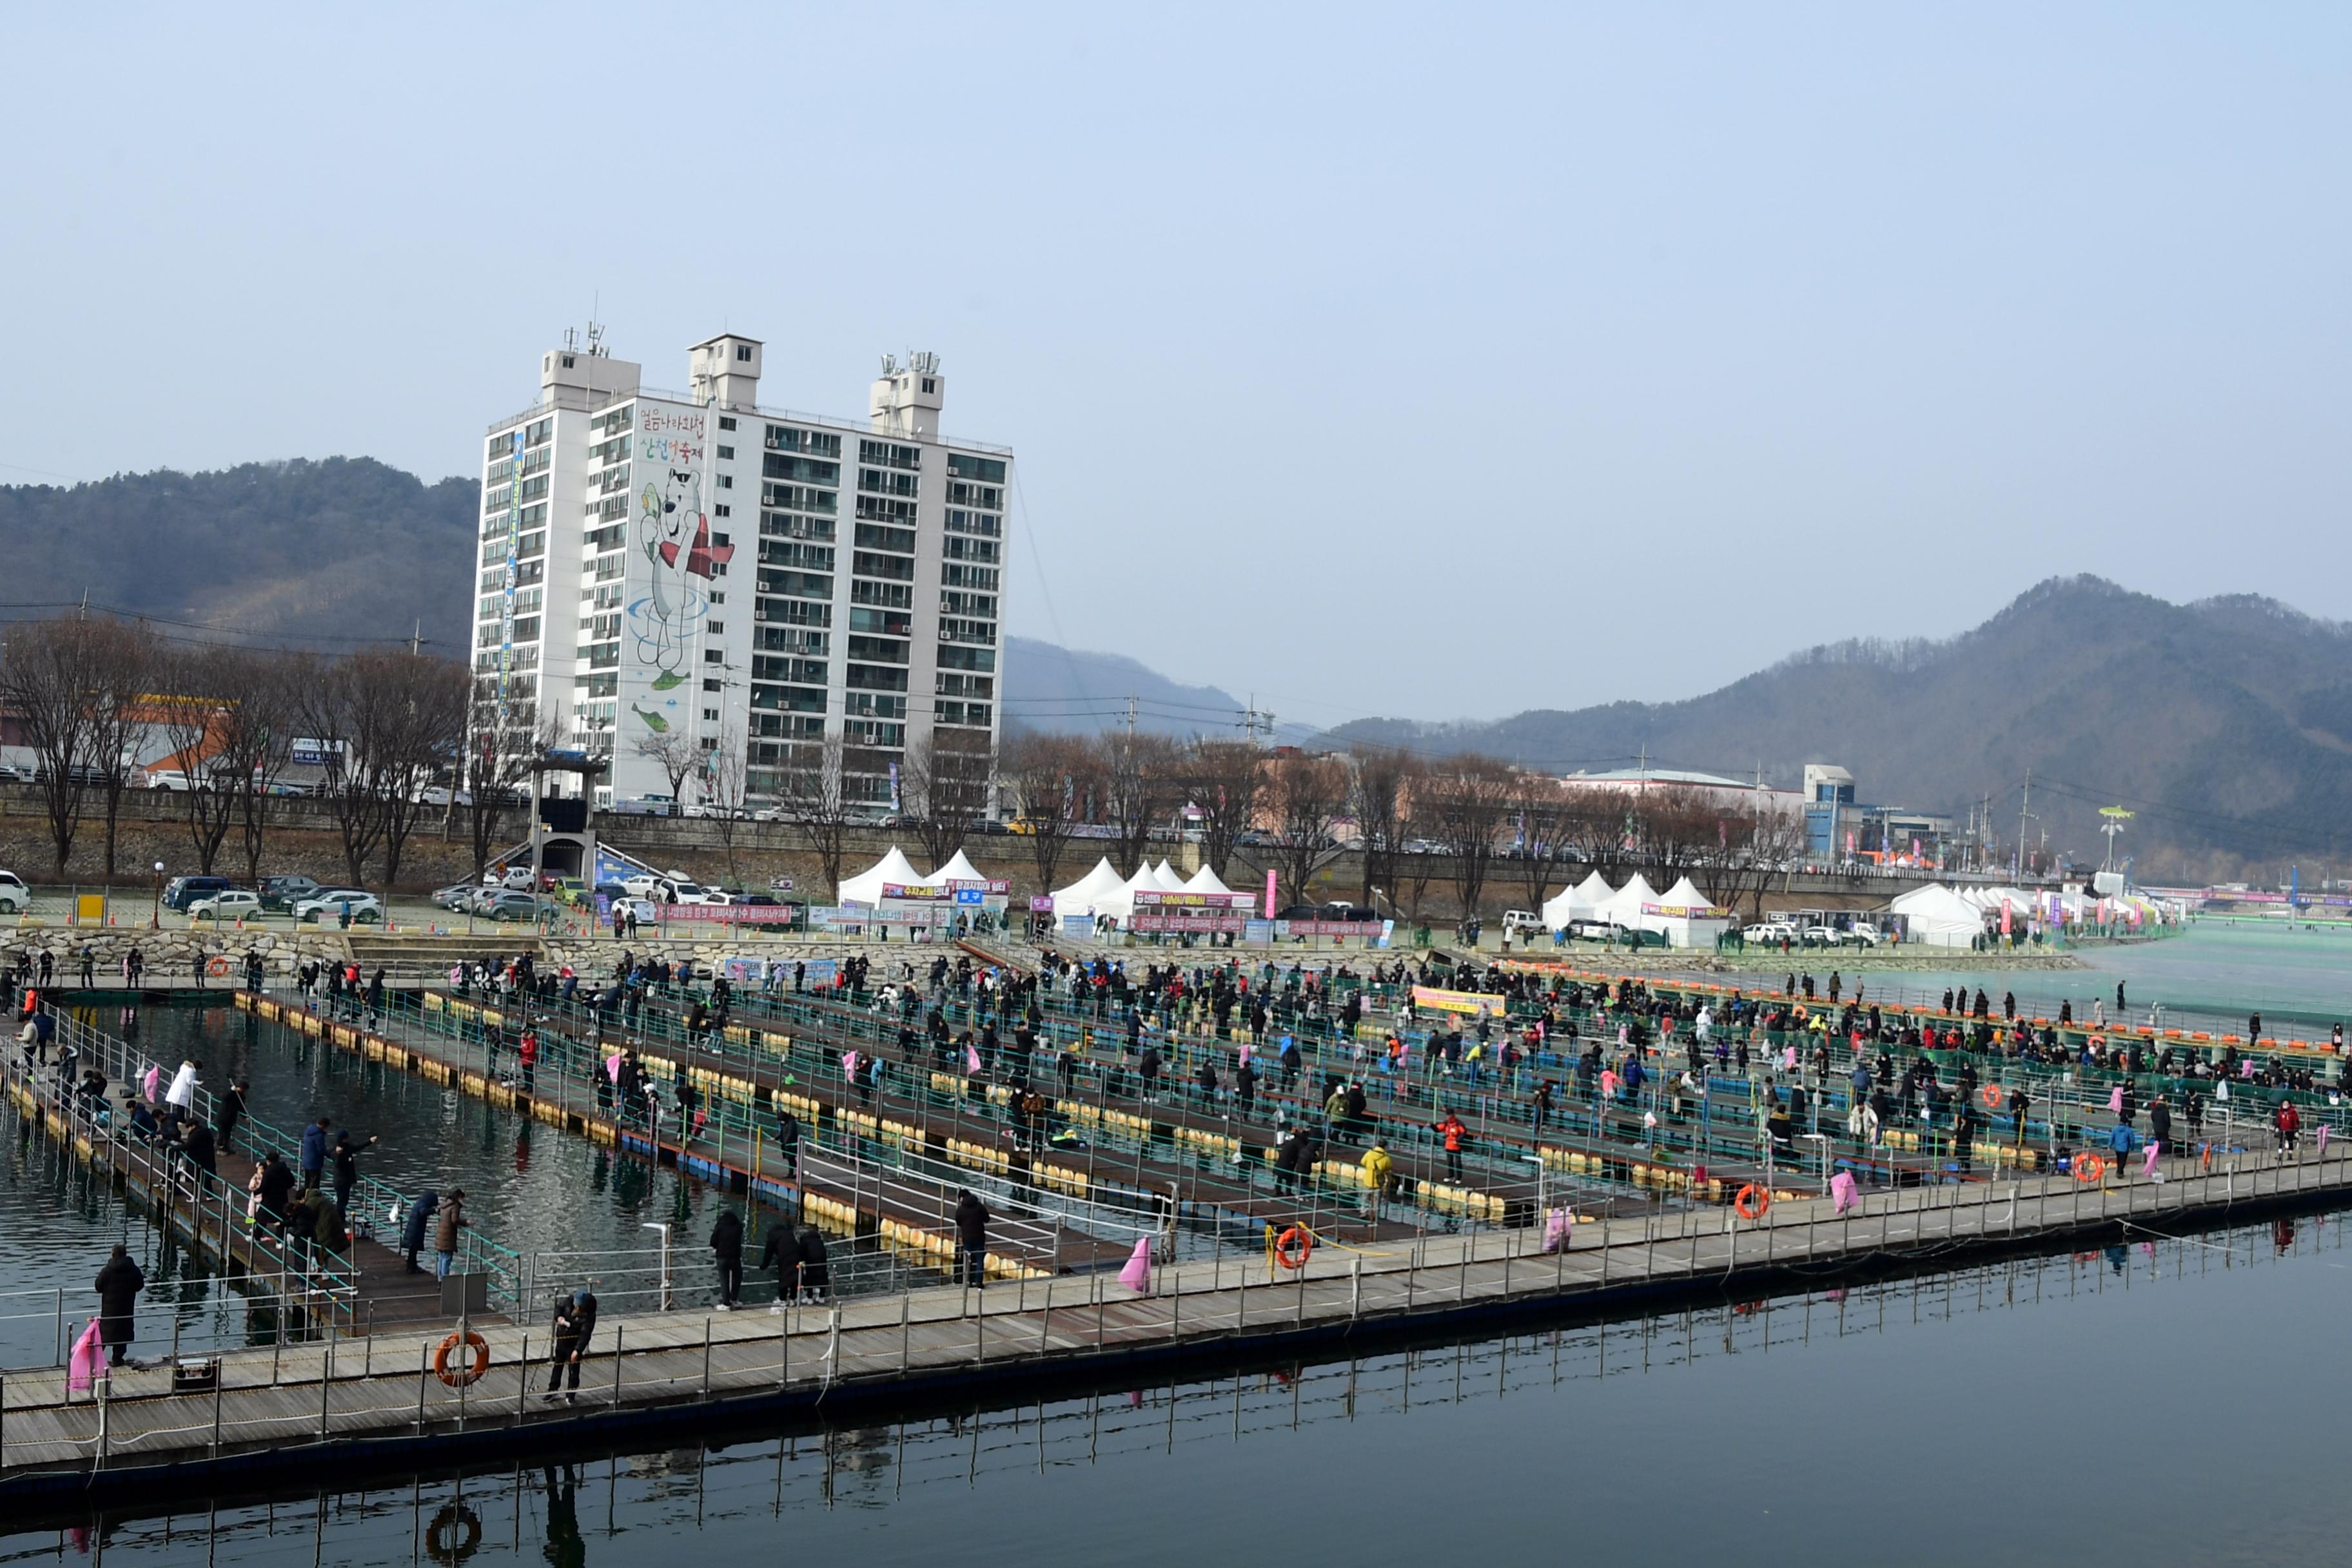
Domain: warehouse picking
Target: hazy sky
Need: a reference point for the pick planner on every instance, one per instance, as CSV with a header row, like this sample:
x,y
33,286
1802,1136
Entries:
x,y
1439,361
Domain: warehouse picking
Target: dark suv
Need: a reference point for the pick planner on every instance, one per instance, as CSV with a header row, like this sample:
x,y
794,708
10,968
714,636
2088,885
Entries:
x,y
182,892
282,892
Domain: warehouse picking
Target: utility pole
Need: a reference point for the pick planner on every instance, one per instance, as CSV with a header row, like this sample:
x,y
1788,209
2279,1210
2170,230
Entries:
x,y
2022,809
1254,719
1130,716
416,640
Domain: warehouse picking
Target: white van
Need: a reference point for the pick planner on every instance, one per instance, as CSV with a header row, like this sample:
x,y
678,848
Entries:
x,y
1519,922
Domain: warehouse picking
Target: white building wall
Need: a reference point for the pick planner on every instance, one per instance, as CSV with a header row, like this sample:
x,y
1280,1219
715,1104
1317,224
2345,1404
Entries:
x,y
687,639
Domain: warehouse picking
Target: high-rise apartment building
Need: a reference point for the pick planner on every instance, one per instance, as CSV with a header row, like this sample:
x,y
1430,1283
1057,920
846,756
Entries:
x,y
693,586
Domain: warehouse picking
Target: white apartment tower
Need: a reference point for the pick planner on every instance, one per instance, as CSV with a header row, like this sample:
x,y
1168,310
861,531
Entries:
x,y
662,570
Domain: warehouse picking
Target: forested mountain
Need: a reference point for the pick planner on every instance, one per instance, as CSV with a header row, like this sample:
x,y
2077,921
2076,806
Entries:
x,y
329,551
2226,724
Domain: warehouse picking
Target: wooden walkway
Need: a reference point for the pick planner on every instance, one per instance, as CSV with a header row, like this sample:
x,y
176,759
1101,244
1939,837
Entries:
x,y
291,1408
364,1289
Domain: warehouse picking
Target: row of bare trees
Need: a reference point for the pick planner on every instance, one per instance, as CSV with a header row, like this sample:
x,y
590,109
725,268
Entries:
x,y
1468,817
97,701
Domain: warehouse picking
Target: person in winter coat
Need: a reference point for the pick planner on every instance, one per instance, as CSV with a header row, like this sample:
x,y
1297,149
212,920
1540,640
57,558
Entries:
x,y
575,1322
346,1157
816,1275
314,1153
118,1287
726,1247
275,1186
971,1240
1452,1130
2288,1122
781,1256
197,1144
421,1209
1380,1170
450,1220
231,1112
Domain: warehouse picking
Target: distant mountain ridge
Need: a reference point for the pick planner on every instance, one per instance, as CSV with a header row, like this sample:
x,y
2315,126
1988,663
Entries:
x,y
2226,724
333,550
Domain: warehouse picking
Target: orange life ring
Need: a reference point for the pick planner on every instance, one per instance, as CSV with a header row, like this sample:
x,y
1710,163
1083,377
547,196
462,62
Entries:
x,y
2089,1167
1295,1245
2096,1042
216,966
459,1376
1752,1201
1992,1096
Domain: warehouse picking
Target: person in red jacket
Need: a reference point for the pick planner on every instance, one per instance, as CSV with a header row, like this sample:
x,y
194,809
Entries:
x,y
2289,1123
1452,1129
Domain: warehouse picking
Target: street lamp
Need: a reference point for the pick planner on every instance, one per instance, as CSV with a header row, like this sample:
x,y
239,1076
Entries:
x,y
155,915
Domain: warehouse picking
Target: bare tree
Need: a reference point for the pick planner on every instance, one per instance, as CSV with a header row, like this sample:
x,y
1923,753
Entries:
x,y
677,754
1538,851
1138,782
122,715
1379,785
197,695
497,762
1040,775
815,779
53,680
1761,847
1303,796
1222,779
1471,794
386,722
258,742
945,781
724,781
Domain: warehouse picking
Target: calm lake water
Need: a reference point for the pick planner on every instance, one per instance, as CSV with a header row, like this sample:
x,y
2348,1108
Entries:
x,y
2116,1407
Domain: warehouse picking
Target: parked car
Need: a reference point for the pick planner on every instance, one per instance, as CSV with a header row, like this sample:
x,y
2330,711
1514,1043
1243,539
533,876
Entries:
x,y
167,778
511,905
682,892
282,893
236,904
182,892
438,795
1518,921
330,903
452,896
570,889
1864,936
514,878
645,805
16,897
644,910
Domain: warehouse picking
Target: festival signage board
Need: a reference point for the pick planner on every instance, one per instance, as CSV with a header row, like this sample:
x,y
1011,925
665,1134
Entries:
x,y
1445,1001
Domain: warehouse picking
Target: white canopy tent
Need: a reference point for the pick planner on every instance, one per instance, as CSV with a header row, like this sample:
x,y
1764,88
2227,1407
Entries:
x,y
1120,901
1937,916
959,869
1165,876
1205,881
866,887
1577,903
1685,930
1084,896
1624,907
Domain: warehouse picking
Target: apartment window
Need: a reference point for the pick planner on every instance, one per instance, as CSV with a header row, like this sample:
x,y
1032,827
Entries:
x,y
718,629
726,481
714,655
743,353
710,715
723,509
962,466
929,385
874,536
819,443
709,685
726,422
727,452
